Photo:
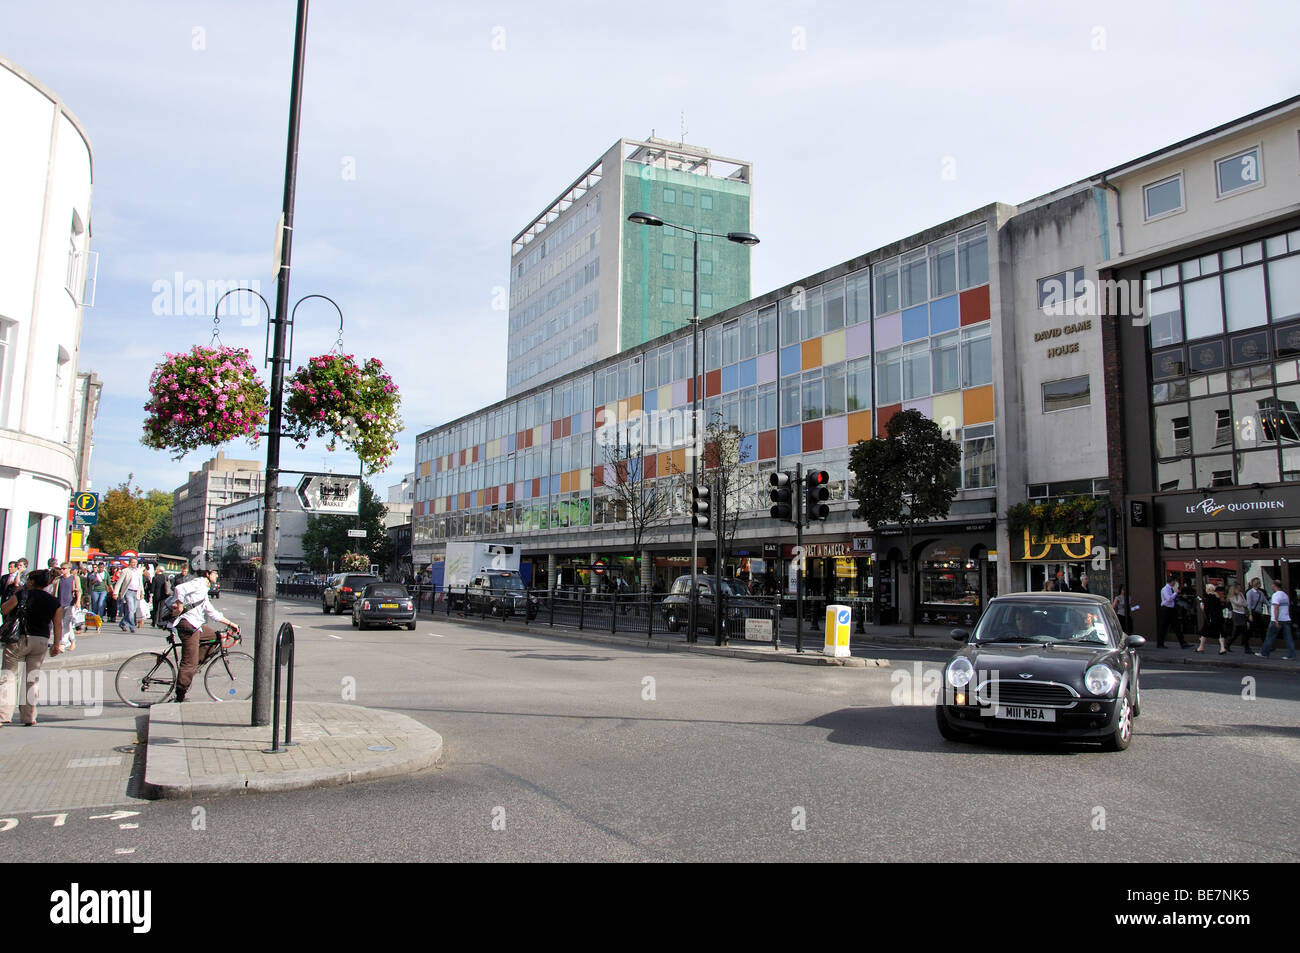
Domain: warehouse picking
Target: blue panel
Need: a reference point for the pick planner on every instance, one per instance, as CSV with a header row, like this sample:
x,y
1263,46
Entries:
x,y
791,360
511,448
916,323
650,400
730,378
555,483
749,448
523,490
792,441
748,373
943,315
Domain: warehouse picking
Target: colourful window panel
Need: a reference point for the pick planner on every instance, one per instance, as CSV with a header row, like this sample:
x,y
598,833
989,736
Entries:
x,y
916,323
943,315
974,305
790,360
747,373
791,441
730,378
835,433
889,331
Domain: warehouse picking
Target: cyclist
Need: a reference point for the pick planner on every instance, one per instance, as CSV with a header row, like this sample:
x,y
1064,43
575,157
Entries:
x,y
192,610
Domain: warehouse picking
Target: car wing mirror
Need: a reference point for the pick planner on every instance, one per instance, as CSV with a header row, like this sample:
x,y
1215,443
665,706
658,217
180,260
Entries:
x,y
1135,642
961,635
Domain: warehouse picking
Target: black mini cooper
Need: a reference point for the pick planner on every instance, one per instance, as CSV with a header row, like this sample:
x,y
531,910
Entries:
x,y
1045,664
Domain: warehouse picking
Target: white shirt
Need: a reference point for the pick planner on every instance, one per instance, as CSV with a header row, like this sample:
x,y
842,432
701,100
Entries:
x,y
196,591
1281,607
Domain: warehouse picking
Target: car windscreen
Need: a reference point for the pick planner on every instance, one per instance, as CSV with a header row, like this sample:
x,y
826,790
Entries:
x,y
1043,622
359,582
385,592
508,581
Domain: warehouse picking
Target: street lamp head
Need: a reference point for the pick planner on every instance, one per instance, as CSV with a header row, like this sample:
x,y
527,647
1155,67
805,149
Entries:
x,y
742,238
645,218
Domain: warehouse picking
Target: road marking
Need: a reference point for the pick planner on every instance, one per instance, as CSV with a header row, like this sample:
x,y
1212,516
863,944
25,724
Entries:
x,y
115,816
93,762
59,819
125,850
339,637
437,635
127,827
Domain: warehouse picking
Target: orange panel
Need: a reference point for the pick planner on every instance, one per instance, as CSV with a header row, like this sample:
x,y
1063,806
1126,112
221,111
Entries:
x,y
634,404
679,461
663,464
649,467
859,426
564,483
812,354
977,405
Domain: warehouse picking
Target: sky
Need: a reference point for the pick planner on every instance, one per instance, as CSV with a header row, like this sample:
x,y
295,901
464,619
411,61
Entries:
x,y
434,132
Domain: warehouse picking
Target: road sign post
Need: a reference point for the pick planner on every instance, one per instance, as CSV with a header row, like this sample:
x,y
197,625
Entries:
x,y
330,493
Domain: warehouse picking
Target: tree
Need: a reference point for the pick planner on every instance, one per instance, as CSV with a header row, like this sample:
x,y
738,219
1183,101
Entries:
x,y
230,559
644,502
158,537
126,516
905,478
331,532
724,455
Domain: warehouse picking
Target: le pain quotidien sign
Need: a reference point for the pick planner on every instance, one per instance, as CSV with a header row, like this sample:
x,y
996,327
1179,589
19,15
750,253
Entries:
x,y
1242,509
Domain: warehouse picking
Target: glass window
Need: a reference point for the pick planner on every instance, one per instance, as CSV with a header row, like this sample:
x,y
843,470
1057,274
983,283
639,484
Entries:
x,y
749,335
670,196
1163,197
977,357
688,199
945,352
1166,317
681,359
916,370
943,267
790,319
749,410
767,329
669,262
706,266
790,401
713,348
833,305
811,319
835,394
812,395
1061,395
706,202
651,371
973,257
767,407
1237,172
1202,308
665,365
688,266
1259,467
857,297
669,296
1284,287
859,384
886,276
914,283
1243,292
1173,431
889,377
979,463
1214,471
731,342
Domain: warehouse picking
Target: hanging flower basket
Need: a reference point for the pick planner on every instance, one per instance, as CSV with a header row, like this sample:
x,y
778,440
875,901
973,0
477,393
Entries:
x,y
204,398
354,562
1064,517
332,397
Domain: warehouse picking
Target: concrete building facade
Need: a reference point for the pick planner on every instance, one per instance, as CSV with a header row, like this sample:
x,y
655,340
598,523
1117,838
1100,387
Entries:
x,y
194,505
45,261
239,524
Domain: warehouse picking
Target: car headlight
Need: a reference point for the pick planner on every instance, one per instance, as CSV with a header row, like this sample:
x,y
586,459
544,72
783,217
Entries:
x,y
960,672
1100,680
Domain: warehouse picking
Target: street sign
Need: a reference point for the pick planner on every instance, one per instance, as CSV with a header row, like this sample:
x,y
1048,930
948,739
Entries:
x,y
359,533
328,493
598,567
87,509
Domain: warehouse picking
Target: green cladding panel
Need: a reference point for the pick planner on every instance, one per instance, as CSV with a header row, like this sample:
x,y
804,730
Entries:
x,y
657,262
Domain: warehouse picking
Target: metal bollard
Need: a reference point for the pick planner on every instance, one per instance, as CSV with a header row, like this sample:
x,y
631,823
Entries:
x,y
283,647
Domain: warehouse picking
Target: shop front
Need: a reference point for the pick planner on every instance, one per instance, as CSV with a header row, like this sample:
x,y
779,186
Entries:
x,y
956,574
1077,556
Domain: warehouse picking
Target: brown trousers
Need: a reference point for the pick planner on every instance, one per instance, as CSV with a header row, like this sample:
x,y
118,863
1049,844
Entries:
x,y
32,650
189,654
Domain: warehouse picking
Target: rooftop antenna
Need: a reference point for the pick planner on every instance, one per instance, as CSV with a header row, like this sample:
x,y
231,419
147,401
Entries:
x,y
682,141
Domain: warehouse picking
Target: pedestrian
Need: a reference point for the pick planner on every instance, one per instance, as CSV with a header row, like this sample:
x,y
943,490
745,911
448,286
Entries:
x,y
162,588
192,610
68,591
41,616
1121,607
1238,617
1083,583
98,590
1280,622
130,589
1168,613
12,581
1212,628
1257,605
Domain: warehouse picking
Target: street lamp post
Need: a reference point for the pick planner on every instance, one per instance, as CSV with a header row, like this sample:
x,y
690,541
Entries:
x,y
740,238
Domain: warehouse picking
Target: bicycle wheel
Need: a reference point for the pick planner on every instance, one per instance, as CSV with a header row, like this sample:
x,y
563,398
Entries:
x,y
148,678
229,677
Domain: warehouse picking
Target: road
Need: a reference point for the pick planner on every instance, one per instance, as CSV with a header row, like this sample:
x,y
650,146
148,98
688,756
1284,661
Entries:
x,y
559,750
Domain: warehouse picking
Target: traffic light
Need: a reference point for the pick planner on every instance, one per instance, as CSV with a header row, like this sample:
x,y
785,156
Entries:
x,y
700,506
817,492
782,495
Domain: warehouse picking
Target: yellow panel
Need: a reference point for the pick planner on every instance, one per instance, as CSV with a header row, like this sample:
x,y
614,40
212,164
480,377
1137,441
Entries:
x,y
666,397
859,426
634,403
585,476
833,348
537,435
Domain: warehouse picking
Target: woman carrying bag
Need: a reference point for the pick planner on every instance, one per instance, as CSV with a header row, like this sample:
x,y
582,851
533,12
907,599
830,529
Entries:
x,y
1239,618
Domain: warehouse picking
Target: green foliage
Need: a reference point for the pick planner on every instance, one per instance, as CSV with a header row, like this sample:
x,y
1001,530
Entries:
x,y
906,477
126,515
1062,517
331,532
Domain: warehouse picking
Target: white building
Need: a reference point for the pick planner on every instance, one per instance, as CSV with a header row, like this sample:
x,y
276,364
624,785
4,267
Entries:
x,y
45,189
240,524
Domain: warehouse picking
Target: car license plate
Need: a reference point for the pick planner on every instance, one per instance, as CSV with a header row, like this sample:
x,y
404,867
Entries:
x,y
1020,713
388,605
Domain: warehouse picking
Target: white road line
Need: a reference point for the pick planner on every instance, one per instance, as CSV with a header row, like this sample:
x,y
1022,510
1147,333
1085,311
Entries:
x,y
127,827
437,635
339,637
125,850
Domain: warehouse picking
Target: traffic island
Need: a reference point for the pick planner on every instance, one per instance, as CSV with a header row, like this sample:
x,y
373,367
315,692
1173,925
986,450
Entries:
x,y
204,749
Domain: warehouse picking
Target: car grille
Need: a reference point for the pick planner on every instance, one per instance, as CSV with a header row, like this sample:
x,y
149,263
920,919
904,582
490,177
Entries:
x,y
1029,693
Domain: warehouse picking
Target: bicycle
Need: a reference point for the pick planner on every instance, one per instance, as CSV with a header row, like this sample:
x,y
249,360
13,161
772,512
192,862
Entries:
x,y
149,678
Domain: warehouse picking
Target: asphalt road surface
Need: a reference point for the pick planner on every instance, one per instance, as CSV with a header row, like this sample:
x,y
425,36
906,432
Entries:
x,y
560,750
